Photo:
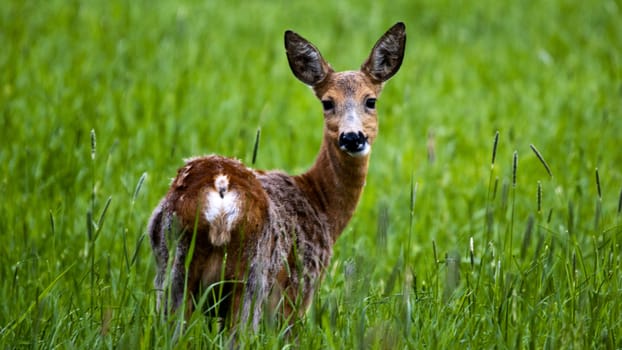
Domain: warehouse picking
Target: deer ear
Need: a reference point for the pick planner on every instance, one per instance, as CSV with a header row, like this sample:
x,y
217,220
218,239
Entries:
x,y
387,55
305,60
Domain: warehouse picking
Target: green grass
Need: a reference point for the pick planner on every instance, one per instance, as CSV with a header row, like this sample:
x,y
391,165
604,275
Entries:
x,y
101,100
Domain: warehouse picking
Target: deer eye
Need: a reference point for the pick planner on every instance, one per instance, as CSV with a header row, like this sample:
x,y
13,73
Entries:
x,y
328,105
370,103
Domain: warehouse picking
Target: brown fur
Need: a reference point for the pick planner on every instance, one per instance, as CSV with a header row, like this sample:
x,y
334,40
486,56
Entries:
x,y
266,238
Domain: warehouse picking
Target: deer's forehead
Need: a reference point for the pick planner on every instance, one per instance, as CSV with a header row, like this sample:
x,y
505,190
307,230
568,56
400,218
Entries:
x,y
348,84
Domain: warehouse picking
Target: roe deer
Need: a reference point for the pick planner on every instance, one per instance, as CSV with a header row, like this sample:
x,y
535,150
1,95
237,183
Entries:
x,y
263,239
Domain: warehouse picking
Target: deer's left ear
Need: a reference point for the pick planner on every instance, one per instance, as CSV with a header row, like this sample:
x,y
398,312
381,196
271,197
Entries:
x,y
387,55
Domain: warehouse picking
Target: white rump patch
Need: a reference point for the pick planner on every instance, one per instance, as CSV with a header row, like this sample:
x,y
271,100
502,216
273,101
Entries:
x,y
221,210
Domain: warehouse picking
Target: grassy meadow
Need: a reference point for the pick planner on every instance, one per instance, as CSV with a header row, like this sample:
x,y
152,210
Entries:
x,y
491,217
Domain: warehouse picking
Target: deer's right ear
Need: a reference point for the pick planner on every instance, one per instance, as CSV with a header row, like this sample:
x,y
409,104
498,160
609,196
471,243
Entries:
x,y
387,55
305,60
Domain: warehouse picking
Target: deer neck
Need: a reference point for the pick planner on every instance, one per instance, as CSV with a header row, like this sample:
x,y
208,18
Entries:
x,y
334,184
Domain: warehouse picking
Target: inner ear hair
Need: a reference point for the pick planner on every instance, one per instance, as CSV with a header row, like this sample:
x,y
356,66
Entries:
x,y
305,60
387,55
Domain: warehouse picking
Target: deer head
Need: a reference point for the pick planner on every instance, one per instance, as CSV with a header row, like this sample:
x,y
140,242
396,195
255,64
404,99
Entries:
x,y
348,98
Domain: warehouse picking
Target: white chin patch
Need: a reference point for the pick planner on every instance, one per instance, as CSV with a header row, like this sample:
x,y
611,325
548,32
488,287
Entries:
x,y
362,153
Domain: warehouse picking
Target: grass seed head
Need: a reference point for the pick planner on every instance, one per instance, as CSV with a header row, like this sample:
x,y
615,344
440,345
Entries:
x,y
494,148
546,166
598,185
514,167
93,144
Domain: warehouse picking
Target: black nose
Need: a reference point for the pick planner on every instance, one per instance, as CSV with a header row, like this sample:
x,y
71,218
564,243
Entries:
x,y
352,142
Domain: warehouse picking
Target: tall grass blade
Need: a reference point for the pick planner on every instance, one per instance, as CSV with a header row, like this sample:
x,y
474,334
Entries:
x,y
383,226
411,218
600,196
597,214
514,168
570,217
192,247
256,146
89,225
574,266
138,186
494,149
471,253
414,286
538,248
413,195
491,195
544,163
527,236
102,216
539,197
52,228
136,251
509,239
93,144
39,296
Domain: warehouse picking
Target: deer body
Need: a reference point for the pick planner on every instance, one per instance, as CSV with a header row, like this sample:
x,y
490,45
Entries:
x,y
264,238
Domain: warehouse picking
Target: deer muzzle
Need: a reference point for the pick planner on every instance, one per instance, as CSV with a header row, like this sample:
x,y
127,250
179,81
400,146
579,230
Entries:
x,y
354,143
